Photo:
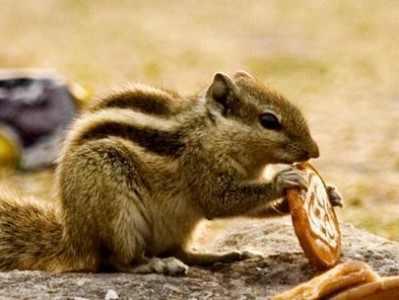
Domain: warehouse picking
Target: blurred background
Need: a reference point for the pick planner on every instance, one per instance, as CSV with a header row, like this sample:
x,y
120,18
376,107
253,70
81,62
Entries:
x,y
338,60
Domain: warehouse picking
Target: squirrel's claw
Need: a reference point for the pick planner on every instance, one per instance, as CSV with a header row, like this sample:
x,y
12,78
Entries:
x,y
289,178
334,195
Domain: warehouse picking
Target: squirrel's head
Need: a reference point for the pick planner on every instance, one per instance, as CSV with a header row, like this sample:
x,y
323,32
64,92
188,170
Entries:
x,y
260,124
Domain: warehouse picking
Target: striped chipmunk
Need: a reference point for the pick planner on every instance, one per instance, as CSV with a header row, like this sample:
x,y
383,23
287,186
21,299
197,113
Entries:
x,y
141,167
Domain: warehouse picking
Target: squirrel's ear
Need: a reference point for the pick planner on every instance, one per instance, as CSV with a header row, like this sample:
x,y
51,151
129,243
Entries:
x,y
221,92
242,74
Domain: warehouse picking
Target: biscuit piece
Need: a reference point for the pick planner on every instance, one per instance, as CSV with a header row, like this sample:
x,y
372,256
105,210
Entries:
x,y
315,221
337,279
386,288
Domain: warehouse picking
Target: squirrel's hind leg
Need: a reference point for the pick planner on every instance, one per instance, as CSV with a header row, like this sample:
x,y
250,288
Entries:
x,y
166,266
191,258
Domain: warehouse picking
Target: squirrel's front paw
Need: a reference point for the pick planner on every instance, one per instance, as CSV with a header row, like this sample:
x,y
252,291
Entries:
x,y
289,178
334,195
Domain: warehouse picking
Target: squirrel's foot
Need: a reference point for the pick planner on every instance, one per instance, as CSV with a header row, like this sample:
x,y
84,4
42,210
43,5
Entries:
x,y
191,258
293,177
289,178
238,255
166,266
283,180
334,195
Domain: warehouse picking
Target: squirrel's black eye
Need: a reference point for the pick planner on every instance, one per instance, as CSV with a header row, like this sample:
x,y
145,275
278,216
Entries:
x,y
270,121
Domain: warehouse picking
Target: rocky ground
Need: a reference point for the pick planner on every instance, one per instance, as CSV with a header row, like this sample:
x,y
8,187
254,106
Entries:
x,y
283,267
336,59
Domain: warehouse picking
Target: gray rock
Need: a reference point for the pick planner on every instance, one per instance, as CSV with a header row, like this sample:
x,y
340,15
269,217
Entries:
x,y
111,295
283,267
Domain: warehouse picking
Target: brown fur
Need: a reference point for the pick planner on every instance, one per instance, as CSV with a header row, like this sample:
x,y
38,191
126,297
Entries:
x,y
142,167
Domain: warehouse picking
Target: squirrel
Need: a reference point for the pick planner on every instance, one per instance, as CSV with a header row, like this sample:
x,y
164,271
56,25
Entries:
x,y
142,167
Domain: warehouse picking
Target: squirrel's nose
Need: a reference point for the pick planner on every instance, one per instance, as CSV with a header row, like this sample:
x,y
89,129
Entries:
x,y
313,151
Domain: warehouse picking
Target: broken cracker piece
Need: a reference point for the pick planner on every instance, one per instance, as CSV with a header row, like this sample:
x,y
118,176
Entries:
x,y
341,277
386,288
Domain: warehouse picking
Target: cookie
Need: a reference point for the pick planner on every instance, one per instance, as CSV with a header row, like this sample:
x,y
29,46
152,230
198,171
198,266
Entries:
x,y
315,221
386,288
337,279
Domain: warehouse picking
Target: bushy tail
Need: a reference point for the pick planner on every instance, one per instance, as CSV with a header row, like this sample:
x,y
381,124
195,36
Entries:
x,y
30,236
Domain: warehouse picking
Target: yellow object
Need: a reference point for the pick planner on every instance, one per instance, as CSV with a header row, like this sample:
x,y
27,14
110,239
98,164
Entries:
x,y
10,153
81,94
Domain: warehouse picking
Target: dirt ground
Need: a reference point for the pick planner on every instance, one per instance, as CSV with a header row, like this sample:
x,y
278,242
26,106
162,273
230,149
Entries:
x,y
338,60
